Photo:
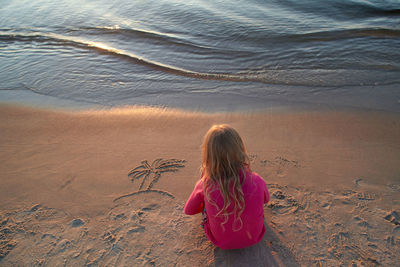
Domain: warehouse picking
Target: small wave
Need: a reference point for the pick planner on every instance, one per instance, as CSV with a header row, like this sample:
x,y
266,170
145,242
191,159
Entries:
x,y
52,38
118,30
371,9
344,9
258,42
342,34
165,39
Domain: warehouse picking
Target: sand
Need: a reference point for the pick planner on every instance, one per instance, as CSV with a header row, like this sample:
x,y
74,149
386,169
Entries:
x,y
66,198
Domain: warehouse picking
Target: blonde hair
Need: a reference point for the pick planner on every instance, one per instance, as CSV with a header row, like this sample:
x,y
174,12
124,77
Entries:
x,y
223,157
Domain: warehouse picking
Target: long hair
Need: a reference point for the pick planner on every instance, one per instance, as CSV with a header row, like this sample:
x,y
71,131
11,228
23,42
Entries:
x,y
224,156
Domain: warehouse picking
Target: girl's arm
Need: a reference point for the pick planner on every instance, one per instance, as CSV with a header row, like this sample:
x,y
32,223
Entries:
x,y
195,203
262,184
266,194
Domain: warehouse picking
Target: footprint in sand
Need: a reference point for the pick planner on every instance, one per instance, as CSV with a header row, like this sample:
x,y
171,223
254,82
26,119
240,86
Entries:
x,y
394,187
339,239
365,196
393,217
281,202
142,228
109,237
69,180
7,243
253,157
359,183
354,197
20,227
132,215
361,222
341,247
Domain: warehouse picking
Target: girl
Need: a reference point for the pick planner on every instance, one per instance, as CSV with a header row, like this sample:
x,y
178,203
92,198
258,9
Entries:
x,y
229,194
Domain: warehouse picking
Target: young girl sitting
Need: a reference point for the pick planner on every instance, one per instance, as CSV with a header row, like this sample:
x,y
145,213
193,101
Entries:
x,y
230,196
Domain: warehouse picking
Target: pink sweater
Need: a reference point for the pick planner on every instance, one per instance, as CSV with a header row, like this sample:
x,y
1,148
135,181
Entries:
x,y
255,194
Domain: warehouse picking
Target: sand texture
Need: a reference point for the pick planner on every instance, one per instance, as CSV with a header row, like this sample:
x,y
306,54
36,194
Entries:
x,y
107,188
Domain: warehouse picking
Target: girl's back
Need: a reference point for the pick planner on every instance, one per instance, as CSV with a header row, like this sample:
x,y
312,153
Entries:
x,y
243,232
233,206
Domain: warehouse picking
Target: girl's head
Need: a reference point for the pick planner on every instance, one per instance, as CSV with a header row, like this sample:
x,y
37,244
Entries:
x,y
224,157
223,152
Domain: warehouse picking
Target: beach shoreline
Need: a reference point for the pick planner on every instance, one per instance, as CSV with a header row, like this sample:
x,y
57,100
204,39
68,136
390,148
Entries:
x,y
277,98
332,175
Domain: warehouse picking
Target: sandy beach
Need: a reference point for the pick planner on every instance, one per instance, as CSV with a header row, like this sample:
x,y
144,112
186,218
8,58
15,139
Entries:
x,y
66,198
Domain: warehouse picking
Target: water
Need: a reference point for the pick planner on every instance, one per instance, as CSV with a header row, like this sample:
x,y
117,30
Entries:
x,y
203,54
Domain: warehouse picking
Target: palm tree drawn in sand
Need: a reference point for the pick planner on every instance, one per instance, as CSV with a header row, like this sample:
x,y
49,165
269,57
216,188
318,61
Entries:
x,y
158,167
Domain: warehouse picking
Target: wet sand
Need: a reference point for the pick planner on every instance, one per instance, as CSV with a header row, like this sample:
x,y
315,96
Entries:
x,y
66,198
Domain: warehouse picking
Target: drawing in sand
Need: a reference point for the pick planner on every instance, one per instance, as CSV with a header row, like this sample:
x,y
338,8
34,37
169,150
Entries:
x,y
156,168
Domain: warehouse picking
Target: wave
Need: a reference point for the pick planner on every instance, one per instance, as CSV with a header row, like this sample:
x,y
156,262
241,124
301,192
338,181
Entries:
x,y
344,9
255,42
371,8
166,39
264,75
169,39
342,34
52,38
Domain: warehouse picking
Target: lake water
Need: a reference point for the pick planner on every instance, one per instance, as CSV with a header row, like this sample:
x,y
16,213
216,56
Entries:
x,y
207,55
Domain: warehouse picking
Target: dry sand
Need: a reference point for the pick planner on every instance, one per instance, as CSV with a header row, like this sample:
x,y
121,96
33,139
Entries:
x,y
66,199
